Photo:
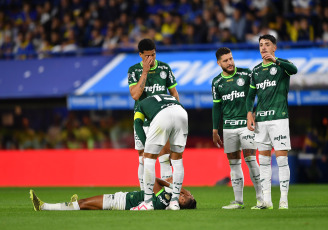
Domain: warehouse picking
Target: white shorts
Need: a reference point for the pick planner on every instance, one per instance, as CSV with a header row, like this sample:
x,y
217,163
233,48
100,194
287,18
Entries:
x,y
137,143
237,139
115,201
170,123
272,134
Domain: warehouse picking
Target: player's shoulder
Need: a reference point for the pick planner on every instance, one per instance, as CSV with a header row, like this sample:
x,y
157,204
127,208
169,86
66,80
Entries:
x,y
284,60
162,65
243,71
217,79
257,67
135,67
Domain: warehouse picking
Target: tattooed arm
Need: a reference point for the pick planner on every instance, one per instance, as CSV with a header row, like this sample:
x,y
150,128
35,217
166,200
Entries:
x,y
137,90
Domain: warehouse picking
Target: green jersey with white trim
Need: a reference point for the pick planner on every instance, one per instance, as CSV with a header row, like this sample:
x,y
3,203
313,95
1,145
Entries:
x,y
152,105
159,79
231,91
271,83
160,200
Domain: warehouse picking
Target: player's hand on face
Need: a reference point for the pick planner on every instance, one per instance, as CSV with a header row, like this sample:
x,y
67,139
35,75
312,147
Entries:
x,y
217,140
269,57
146,63
250,121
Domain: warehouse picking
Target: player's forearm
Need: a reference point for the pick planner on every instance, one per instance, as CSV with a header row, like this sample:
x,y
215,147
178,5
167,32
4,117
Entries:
x,y
139,130
288,66
163,183
250,99
174,93
216,112
137,90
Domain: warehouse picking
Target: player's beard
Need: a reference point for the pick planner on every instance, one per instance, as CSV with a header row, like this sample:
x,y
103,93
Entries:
x,y
228,71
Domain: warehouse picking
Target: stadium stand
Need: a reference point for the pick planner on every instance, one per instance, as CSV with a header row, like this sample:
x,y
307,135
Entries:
x,y
40,27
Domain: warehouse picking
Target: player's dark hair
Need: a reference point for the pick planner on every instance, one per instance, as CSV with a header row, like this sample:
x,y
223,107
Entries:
x,y
146,44
269,37
192,204
222,51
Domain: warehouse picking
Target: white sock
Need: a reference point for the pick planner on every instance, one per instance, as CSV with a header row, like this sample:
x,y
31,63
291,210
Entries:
x,y
284,176
237,179
265,175
61,206
166,169
254,172
149,178
178,175
140,173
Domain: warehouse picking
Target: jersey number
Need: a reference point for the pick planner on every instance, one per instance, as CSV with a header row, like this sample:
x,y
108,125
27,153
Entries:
x,y
169,98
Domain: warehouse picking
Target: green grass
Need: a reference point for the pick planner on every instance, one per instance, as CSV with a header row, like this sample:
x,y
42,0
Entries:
x,y
308,209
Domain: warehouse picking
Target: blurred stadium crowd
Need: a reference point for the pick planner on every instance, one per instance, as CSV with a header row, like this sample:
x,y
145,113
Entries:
x,y
41,26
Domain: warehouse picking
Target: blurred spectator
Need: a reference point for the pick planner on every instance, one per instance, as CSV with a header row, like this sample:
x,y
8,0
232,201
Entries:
x,y
301,30
223,21
189,21
302,7
227,37
238,25
325,31
312,141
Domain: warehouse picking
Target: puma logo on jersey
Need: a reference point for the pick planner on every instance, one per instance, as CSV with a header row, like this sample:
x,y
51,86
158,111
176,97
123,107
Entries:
x,y
154,88
234,94
265,84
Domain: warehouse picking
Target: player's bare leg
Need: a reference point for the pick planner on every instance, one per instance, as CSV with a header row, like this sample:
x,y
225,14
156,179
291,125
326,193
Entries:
x,y
164,160
178,176
284,177
141,170
91,203
237,180
254,171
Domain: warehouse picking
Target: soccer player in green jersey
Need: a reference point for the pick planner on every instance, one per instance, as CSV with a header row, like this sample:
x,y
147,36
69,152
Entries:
x,y
229,90
151,77
168,121
270,82
119,201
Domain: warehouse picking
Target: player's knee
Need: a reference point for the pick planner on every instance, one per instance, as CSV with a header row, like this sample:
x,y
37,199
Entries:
x,y
82,204
140,152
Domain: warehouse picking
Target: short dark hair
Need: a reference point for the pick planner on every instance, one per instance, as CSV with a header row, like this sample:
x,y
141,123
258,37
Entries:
x,y
192,204
146,44
269,37
222,51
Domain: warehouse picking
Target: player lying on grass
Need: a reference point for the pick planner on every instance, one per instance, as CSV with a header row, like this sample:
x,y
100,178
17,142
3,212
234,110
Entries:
x,y
120,200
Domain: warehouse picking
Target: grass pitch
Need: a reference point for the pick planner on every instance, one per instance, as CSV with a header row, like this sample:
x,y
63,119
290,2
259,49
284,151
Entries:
x,y
308,209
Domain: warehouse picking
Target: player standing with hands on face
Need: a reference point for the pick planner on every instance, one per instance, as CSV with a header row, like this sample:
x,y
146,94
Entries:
x,y
147,78
229,90
270,82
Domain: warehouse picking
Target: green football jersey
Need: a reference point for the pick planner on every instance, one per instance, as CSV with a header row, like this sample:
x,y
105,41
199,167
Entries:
x,y
159,79
232,91
160,201
152,105
271,83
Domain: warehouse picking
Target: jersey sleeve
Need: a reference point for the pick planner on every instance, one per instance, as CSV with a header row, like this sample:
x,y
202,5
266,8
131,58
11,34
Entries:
x,y
132,79
170,80
139,119
216,110
251,93
288,66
